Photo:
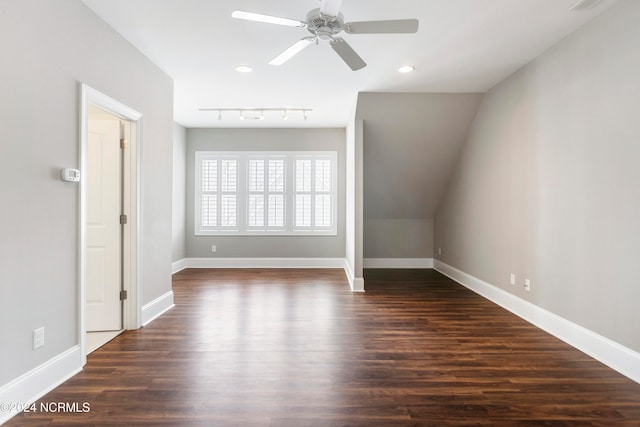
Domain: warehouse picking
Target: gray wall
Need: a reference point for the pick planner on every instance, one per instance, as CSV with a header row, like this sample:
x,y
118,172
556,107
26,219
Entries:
x,y
398,238
411,143
178,231
48,47
548,184
274,140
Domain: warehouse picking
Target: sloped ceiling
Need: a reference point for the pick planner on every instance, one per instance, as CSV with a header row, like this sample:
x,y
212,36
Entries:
x,y
411,143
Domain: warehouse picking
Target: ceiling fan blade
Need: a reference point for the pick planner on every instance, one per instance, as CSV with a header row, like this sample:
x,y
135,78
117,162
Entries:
x,y
292,51
347,54
258,17
330,7
397,26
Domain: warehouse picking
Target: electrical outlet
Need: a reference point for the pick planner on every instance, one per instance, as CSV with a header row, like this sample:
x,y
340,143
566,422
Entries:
x,y
513,279
527,285
38,338
213,248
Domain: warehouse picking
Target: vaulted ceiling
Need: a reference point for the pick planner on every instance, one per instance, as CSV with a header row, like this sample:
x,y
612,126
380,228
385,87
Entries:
x,y
461,46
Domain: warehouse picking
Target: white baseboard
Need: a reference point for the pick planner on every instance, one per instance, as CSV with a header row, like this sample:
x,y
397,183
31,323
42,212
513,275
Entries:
x,y
261,263
616,356
178,266
39,381
157,307
398,263
355,283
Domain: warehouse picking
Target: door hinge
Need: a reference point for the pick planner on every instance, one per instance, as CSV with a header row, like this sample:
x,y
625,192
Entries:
x,y
124,143
123,219
123,295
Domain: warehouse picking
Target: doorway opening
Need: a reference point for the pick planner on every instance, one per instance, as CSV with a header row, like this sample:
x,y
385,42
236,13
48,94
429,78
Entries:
x,y
109,210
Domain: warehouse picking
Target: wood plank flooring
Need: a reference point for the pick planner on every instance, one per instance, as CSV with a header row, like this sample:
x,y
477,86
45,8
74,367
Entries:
x,y
297,348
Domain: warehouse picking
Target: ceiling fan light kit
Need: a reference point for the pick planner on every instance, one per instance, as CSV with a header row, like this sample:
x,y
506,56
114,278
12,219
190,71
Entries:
x,y
324,24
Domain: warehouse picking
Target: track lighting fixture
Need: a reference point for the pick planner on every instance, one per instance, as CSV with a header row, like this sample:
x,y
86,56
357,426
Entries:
x,y
259,113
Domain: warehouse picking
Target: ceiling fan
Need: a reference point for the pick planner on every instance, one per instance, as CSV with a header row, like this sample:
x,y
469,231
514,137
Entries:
x,y
325,23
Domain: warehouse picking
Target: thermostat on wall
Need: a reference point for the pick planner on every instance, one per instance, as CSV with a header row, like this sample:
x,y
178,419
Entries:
x,y
70,175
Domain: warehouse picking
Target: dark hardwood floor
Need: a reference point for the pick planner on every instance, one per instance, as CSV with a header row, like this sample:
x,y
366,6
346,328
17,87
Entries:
x,y
297,348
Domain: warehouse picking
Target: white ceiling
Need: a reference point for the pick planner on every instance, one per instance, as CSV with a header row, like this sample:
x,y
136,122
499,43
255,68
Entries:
x,y
461,46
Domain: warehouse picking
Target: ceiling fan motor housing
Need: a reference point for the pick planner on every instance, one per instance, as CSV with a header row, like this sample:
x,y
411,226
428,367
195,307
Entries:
x,y
324,27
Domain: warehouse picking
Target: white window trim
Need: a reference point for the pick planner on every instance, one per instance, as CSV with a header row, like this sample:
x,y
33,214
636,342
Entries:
x,y
242,194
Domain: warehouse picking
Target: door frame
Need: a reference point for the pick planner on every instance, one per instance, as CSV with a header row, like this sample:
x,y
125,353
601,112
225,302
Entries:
x,y
132,237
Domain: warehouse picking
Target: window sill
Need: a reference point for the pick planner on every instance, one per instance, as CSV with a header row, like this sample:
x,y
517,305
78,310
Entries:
x,y
265,233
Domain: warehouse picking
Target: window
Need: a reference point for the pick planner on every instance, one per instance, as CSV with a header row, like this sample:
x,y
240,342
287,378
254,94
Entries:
x,y
266,193
314,201
218,192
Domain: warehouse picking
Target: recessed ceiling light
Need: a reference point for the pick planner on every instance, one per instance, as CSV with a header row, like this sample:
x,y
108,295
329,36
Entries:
x,y
244,69
406,69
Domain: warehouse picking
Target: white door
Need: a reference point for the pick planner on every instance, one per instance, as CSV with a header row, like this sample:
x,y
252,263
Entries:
x,y
104,247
